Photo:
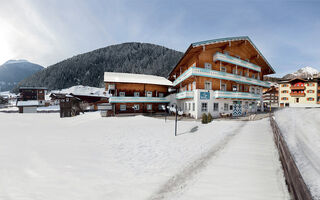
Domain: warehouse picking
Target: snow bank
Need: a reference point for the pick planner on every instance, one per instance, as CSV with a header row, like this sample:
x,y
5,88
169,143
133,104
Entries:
x,y
89,157
301,130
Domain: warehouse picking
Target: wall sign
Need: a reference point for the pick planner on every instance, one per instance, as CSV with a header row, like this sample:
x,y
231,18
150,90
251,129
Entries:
x,y
204,95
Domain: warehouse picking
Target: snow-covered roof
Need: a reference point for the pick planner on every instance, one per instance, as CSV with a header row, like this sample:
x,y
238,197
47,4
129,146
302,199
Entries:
x,y
135,78
81,90
28,103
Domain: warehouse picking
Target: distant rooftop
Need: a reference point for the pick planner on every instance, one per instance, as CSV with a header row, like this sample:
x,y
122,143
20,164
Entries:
x,y
30,87
116,77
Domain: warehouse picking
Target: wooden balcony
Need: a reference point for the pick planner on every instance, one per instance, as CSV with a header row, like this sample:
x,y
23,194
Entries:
x,y
297,87
297,94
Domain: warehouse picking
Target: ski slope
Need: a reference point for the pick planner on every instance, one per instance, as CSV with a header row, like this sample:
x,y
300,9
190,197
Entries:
x,y
301,130
89,157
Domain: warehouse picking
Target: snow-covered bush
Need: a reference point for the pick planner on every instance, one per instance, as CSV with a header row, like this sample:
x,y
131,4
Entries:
x,y
209,118
204,119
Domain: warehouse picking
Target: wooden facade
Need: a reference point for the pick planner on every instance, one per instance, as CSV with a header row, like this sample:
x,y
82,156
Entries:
x,y
228,70
137,93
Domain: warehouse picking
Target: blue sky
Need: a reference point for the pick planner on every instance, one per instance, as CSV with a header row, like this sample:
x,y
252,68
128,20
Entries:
x,y
46,32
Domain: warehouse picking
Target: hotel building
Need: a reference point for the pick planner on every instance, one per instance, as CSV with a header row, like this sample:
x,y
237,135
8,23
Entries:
x,y
299,92
221,76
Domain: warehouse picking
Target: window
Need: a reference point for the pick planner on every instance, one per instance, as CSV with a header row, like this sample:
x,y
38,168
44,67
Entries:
x,y
253,76
253,90
189,106
193,106
123,107
204,107
240,73
231,107
136,107
149,106
160,94
136,94
240,88
284,85
40,91
161,107
215,106
234,71
122,94
284,91
193,85
310,99
225,107
246,74
189,87
246,88
258,90
234,88
310,91
223,87
207,65
223,69
207,85
149,94
185,106
284,98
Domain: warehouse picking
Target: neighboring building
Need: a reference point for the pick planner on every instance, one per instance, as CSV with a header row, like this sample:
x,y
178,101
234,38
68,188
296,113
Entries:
x,y
30,98
270,97
69,104
137,93
220,76
299,92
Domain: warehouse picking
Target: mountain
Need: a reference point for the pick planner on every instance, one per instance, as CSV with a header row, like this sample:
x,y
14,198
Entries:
x,y
304,72
13,71
88,68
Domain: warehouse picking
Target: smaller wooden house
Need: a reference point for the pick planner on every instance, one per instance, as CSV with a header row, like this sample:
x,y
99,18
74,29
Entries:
x,y
70,105
30,99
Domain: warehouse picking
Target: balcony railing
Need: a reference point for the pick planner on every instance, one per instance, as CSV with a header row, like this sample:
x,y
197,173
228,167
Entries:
x,y
297,94
297,87
194,71
236,61
235,95
185,95
138,100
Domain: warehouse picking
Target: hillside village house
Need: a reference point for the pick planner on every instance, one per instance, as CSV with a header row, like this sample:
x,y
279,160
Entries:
x,y
299,92
221,76
137,93
30,98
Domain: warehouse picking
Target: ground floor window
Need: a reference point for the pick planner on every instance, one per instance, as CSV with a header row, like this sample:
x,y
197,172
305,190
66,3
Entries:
x,y
149,106
136,107
123,107
204,107
225,107
215,106
193,106
189,106
161,107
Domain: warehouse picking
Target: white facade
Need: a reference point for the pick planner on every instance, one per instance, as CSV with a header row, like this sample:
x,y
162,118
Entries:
x,y
195,103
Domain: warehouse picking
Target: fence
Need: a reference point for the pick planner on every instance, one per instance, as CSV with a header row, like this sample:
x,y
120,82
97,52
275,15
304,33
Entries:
x,y
296,185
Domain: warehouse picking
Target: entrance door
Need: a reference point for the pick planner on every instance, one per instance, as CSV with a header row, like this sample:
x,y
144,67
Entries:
x,y
237,109
297,100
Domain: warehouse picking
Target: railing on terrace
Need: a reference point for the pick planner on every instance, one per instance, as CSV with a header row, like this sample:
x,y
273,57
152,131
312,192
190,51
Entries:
x,y
194,71
236,61
235,95
138,99
297,94
297,87
185,95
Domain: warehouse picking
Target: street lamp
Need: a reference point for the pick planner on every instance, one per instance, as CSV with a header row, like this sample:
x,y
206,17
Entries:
x,y
176,120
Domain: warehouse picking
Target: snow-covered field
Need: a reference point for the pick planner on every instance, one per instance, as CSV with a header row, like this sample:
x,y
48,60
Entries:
x,y
301,129
89,157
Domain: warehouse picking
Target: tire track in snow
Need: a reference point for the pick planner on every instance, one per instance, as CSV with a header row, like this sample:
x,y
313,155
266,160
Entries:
x,y
179,182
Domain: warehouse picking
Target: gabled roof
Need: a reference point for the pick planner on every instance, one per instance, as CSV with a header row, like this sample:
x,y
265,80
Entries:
x,y
220,40
115,77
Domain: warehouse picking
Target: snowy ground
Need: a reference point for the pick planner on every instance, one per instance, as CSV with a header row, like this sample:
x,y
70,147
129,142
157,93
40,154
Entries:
x,y
301,129
89,157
